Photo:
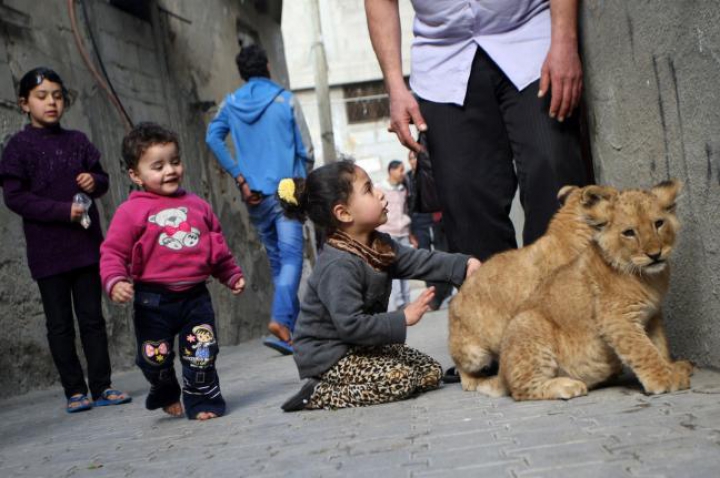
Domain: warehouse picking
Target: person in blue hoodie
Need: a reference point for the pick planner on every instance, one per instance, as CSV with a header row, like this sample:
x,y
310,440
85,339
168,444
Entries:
x,y
271,142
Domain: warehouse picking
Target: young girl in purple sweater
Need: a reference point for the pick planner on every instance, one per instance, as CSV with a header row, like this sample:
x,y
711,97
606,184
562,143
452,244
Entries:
x,y
42,168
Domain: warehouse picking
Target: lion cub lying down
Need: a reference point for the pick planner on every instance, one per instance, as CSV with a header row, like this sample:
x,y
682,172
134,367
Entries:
x,y
491,296
600,311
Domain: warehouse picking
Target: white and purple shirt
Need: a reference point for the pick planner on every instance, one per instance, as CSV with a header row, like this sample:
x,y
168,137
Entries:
x,y
514,33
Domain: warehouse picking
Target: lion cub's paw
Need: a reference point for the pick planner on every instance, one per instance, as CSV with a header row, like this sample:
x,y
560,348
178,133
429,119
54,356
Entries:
x,y
677,378
492,387
681,372
565,388
683,366
469,383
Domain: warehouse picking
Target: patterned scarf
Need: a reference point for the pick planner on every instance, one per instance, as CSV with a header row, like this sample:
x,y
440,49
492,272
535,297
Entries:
x,y
379,255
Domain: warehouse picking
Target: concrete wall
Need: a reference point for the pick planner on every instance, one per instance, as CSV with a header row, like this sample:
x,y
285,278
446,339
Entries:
x,y
166,71
651,72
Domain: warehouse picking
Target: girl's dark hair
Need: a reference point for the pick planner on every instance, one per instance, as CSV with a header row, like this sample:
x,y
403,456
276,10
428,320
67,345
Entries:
x,y
252,61
34,77
142,137
317,195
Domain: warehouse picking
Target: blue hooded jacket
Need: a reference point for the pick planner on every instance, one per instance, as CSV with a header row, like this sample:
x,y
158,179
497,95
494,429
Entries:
x,y
269,133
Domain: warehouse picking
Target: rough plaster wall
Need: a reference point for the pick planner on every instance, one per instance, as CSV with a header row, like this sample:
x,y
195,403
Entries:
x,y
651,72
161,75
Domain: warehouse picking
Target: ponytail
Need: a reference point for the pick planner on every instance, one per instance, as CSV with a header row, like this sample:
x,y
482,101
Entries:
x,y
293,198
316,196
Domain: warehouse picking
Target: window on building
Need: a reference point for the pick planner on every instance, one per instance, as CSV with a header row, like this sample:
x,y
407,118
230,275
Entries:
x,y
365,102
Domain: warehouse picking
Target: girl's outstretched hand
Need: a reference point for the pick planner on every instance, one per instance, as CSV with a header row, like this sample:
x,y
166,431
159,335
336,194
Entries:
x,y
239,286
86,182
472,265
122,292
416,309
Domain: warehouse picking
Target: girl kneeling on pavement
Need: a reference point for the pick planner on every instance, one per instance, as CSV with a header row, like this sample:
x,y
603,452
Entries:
x,y
351,350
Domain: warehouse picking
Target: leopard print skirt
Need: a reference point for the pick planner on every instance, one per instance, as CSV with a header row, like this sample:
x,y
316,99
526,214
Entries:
x,y
374,375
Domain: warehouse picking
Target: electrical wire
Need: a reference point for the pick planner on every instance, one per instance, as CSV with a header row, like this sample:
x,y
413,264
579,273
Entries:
x,y
88,62
100,60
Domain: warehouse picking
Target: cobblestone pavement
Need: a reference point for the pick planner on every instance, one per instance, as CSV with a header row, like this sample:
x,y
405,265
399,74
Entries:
x,y
613,432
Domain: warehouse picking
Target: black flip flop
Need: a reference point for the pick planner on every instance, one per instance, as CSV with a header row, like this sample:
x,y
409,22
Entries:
x,y
453,376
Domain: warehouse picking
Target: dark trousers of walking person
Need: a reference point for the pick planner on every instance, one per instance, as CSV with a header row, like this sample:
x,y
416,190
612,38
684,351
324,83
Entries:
x,y
81,290
430,235
481,151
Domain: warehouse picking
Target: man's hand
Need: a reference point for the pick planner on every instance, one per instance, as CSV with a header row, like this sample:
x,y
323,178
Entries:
x,y
383,17
562,73
239,286
122,292
246,193
472,265
404,110
76,212
86,182
416,309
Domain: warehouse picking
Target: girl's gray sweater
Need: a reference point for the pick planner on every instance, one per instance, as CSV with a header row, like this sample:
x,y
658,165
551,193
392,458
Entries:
x,y
346,302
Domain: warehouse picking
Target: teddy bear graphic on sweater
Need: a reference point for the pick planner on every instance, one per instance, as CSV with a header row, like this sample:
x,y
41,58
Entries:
x,y
176,230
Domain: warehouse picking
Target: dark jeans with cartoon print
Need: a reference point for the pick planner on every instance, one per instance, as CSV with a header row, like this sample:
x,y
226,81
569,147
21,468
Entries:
x,y
160,315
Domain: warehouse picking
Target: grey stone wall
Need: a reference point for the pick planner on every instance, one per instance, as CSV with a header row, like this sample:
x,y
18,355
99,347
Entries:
x,y
652,88
168,71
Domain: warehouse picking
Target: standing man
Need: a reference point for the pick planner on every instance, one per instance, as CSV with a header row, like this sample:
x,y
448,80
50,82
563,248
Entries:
x,y
497,82
271,143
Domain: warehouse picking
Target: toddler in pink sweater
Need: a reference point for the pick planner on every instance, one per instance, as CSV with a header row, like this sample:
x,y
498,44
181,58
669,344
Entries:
x,y
162,245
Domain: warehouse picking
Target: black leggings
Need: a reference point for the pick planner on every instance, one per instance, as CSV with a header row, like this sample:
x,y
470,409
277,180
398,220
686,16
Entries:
x,y
81,290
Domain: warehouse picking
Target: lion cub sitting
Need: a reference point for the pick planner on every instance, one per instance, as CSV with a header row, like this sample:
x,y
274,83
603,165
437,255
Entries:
x,y
600,311
491,296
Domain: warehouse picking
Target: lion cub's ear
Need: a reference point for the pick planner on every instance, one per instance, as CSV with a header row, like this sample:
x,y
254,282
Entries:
x,y
591,195
667,192
596,201
564,193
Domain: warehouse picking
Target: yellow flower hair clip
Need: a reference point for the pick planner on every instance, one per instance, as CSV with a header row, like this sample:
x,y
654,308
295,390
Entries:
x,y
286,191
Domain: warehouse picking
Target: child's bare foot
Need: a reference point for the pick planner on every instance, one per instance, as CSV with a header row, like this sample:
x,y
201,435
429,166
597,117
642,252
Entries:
x,y
205,416
280,331
174,410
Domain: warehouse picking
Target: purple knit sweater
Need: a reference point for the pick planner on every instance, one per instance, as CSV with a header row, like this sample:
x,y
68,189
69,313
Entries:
x,y
38,173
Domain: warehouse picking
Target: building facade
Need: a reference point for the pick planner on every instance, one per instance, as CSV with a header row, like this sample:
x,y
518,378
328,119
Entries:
x,y
359,103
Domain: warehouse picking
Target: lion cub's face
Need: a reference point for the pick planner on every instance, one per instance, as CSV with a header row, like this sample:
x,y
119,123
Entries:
x,y
640,231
